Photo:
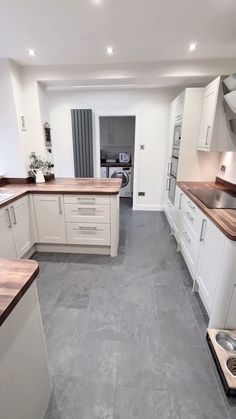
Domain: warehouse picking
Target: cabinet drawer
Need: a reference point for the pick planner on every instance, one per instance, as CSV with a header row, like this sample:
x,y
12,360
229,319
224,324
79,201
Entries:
x,y
193,215
87,199
88,234
190,246
87,213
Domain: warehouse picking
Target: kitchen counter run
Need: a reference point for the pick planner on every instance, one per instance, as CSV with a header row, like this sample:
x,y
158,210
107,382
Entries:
x,y
224,219
63,185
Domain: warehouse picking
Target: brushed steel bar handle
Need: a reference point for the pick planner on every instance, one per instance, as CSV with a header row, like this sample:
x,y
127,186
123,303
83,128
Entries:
x,y
86,209
189,216
187,237
9,218
169,168
13,214
202,234
191,205
167,184
207,133
60,205
88,228
85,199
180,201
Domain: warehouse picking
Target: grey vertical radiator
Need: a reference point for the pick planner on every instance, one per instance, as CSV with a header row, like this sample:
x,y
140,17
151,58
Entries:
x,y
82,142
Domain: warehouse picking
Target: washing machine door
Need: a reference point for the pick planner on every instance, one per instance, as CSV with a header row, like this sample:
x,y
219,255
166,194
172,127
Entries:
x,y
121,175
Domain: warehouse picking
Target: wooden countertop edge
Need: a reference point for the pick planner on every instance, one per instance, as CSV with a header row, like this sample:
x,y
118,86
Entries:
x,y
51,192
207,212
4,315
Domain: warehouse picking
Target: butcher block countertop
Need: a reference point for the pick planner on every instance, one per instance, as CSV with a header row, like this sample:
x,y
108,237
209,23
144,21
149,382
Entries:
x,y
224,219
16,276
63,185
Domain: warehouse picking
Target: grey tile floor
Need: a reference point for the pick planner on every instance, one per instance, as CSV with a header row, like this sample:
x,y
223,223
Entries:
x,y
125,336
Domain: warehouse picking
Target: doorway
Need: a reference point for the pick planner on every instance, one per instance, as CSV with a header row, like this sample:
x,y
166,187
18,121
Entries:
x,y
115,149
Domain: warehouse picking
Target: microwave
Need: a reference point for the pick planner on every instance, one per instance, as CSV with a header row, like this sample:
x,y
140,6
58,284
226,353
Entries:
x,y
177,135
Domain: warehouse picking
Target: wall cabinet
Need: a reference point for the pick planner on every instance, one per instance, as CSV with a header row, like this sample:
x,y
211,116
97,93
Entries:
x,y
209,107
7,245
50,218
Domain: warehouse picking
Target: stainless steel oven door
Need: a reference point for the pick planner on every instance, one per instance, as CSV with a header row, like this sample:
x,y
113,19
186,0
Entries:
x,y
177,135
172,187
174,167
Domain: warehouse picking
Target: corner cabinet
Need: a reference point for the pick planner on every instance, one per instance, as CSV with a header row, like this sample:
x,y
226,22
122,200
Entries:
x,y
7,245
50,218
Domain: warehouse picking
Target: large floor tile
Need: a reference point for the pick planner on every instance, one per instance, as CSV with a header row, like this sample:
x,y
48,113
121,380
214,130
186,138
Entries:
x,y
75,399
137,403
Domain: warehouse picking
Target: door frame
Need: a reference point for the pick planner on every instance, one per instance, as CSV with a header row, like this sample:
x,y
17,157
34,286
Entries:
x,y
97,144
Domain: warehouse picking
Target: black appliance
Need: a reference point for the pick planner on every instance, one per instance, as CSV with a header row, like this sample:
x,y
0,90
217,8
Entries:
x,y
215,198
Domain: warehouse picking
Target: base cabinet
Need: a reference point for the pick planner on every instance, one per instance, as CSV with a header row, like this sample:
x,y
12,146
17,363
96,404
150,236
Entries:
x,y
21,225
50,218
209,263
7,245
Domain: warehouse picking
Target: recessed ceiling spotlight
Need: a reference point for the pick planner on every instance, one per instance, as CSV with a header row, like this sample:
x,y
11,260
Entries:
x,y
110,50
97,1
192,46
31,52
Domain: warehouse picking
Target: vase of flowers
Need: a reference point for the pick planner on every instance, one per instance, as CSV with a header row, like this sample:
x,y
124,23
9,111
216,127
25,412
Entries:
x,y
37,167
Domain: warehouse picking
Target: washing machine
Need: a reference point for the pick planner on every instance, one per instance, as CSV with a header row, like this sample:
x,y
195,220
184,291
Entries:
x,y
125,174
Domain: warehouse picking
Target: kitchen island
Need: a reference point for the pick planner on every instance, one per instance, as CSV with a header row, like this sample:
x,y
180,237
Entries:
x,y
25,383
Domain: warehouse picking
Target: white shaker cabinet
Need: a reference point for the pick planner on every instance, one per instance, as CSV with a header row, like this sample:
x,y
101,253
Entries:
x,y
7,246
21,225
177,213
50,218
210,259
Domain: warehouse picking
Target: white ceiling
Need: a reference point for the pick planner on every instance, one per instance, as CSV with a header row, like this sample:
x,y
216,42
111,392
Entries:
x,y
77,31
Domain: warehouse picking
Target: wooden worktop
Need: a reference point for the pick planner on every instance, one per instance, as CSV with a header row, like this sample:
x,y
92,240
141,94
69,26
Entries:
x,y
65,186
16,276
224,219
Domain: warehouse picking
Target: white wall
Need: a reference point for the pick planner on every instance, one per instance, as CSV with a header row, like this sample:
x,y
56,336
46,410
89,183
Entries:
x,y
152,109
229,160
11,152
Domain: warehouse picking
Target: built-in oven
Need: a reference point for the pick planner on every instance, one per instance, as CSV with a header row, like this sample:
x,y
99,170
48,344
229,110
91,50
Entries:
x,y
171,189
177,135
174,166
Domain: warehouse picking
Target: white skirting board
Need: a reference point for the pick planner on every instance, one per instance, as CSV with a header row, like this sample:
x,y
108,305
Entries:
x,y
25,383
138,207
67,248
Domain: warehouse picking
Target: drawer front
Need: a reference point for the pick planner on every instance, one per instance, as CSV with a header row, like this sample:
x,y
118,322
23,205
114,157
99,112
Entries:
x,y
190,246
88,234
82,213
194,217
87,199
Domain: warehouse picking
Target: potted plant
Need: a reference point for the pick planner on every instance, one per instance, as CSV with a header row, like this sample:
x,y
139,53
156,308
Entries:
x,y
37,167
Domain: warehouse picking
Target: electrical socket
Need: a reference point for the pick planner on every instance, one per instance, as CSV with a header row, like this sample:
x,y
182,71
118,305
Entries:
x,y
223,168
141,194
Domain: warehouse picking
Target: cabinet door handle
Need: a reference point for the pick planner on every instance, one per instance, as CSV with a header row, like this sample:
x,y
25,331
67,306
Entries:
x,y
85,199
191,205
187,237
169,169
203,228
189,216
13,214
8,217
180,201
88,228
167,184
60,205
207,133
